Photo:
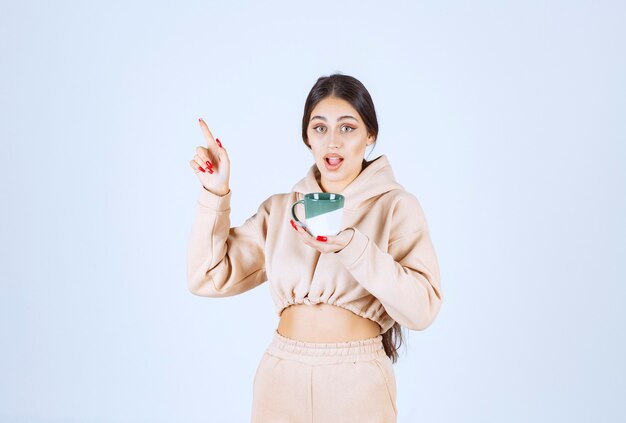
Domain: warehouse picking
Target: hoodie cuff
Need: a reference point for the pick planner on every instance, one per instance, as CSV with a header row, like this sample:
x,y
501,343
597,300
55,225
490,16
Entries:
x,y
213,201
354,250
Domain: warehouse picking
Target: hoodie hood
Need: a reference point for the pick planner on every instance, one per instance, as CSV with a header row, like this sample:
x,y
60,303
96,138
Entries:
x,y
376,179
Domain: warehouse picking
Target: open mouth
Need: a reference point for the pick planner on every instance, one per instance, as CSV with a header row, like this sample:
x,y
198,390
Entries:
x,y
333,162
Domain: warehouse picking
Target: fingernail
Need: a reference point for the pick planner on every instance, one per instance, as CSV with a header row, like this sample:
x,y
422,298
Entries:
x,y
200,167
217,140
321,238
209,164
293,224
211,171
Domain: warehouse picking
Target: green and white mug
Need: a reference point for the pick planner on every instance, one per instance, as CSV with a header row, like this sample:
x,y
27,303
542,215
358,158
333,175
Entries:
x,y
323,211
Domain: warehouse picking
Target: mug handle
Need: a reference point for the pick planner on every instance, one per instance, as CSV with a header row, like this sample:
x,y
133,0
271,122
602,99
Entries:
x,y
293,213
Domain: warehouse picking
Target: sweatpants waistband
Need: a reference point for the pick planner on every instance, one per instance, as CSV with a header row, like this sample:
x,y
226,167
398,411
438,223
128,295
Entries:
x,y
326,352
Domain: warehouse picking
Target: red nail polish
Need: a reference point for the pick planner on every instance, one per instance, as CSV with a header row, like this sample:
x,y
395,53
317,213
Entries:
x,y
209,164
200,167
293,224
217,140
210,170
322,238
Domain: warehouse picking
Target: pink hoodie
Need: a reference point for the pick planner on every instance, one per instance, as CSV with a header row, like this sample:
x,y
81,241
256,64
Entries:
x,y
388,273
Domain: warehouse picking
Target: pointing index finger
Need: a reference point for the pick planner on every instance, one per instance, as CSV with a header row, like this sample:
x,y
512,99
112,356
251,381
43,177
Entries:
x,y
207,134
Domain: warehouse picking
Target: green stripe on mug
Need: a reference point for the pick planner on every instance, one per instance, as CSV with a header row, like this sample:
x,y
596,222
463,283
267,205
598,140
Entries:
x,y
322,211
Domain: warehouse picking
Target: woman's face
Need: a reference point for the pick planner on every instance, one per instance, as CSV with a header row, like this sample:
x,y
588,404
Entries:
x,y
336,130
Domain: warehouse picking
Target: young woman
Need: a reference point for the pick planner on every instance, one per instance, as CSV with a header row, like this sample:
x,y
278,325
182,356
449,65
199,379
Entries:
x,y
341,299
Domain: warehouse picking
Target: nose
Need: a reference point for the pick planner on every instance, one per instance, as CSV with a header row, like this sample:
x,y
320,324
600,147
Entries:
x,y
333,140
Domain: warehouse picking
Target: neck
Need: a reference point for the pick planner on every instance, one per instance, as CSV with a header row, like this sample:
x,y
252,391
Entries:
x,y
332,187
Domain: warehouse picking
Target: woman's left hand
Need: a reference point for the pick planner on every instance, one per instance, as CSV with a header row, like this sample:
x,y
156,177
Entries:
x,y
325,244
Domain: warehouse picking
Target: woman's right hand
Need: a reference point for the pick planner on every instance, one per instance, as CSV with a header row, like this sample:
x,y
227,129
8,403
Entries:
x,y
215,174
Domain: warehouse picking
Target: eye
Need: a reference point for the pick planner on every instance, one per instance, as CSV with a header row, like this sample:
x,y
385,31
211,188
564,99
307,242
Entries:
x,y
316,128
349,127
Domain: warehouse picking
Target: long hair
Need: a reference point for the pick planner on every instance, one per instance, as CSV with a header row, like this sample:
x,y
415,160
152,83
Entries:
x,y
354,92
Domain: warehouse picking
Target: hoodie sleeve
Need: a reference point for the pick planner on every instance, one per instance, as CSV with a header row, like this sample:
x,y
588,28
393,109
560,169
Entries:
x,y
406,277
224,261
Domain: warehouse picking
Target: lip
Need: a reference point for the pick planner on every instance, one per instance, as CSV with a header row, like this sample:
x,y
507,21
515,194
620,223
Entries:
x,y
333,155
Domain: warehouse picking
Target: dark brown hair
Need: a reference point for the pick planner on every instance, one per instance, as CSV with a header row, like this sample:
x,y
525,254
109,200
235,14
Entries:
x,y
354,92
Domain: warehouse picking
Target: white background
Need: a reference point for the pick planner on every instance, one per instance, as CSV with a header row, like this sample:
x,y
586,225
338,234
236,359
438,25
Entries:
x,y
505,119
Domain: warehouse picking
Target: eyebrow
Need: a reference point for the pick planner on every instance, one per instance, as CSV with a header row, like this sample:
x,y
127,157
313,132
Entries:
x,y
342,117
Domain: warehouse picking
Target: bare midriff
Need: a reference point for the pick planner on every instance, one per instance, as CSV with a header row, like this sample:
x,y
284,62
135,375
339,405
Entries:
x,y
325,323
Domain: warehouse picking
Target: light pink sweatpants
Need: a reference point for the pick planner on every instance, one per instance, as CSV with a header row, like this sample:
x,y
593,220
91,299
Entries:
x,y
343,382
